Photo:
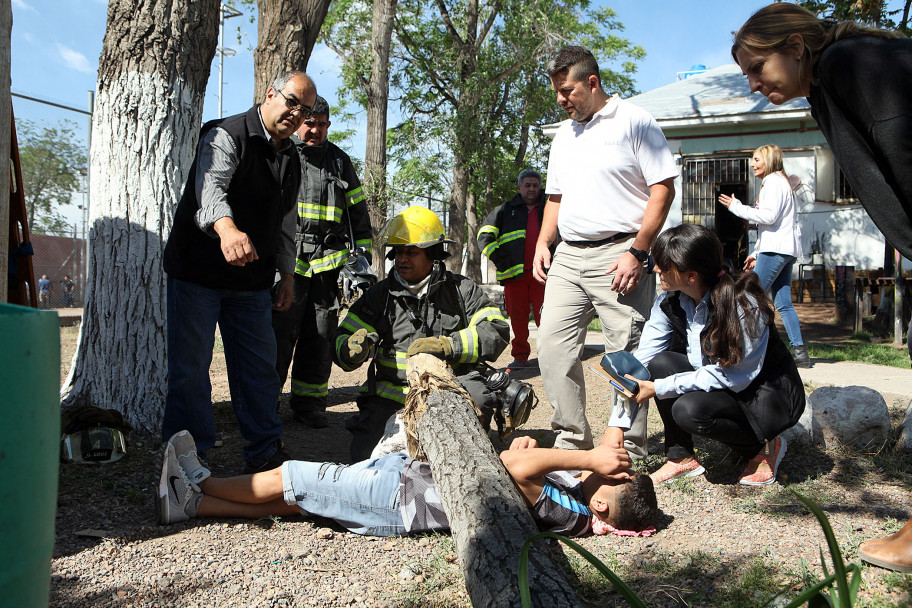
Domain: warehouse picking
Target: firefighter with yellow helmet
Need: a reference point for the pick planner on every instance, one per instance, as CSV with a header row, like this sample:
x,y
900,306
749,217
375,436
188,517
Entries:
x,y
420,307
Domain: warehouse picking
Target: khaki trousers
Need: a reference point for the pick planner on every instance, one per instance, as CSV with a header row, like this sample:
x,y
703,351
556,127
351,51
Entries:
x,y
578,288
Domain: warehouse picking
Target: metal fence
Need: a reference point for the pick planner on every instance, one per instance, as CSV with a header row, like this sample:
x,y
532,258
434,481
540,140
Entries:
x,y
54,140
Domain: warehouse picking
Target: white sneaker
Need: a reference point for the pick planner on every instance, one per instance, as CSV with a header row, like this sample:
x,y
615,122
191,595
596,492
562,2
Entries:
x,y
185,450
176,497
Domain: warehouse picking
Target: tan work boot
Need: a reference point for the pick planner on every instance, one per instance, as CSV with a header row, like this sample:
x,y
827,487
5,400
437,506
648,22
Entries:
x,y
893,552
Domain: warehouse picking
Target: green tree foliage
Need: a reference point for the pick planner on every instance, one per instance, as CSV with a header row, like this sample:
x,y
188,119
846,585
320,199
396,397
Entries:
x,y
51,159
469,80
874,13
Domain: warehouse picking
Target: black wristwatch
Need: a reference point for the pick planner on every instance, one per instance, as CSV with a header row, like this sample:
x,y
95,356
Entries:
x,y
639,254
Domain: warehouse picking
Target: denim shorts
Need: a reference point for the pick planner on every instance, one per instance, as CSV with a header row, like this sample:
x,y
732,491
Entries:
x,y
363,497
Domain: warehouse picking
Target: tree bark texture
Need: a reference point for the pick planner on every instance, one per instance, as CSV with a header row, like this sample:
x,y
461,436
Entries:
x,y
152,77
286,33
458,211
377,103
489,519
6,26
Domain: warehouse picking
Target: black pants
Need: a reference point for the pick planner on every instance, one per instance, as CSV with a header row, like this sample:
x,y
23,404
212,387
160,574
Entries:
x,y
304,332
716,414
368,424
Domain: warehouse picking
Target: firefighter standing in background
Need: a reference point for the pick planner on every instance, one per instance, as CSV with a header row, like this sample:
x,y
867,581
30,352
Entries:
x,y
332,211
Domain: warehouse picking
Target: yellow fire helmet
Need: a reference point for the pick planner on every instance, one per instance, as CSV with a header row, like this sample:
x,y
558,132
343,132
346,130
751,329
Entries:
x,y
418,226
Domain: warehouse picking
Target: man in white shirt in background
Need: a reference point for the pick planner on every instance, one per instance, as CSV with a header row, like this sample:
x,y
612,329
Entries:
x,y
610,185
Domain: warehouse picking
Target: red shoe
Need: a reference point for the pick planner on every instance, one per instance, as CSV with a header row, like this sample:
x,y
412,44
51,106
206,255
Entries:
x,y
772,455
677,470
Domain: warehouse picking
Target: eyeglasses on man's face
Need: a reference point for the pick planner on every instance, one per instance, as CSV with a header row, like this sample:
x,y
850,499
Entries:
x,y
312,123
293,106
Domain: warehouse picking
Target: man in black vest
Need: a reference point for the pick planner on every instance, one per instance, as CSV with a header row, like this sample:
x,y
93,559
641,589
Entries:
x,y
233,228
332,220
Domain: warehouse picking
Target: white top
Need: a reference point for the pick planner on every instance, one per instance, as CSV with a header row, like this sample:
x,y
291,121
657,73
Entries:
x,y
776,216
603,169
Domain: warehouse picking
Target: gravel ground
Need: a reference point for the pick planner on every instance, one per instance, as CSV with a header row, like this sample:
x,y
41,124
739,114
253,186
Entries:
x,y
719,544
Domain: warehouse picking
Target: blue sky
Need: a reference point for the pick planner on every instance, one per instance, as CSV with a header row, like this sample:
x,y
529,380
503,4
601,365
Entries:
x,y
56,45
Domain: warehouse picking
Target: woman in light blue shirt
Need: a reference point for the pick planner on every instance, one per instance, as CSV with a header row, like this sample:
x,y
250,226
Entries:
x,y
717,369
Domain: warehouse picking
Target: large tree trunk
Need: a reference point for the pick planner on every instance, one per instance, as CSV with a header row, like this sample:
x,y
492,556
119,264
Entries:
x,y
488,517
457,224
377,103
151,82
473,254
286,33
6,25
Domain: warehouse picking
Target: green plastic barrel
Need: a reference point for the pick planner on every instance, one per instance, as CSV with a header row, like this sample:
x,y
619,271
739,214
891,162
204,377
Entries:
x,y
29,452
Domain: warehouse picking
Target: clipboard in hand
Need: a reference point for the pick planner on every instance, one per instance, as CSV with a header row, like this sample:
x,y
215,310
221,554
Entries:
x,y
615,366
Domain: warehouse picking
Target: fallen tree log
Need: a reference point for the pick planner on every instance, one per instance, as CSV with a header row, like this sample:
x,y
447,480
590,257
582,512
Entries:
x,y
489,518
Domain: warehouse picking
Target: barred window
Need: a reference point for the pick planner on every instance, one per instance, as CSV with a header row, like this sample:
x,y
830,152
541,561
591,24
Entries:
x,y
844,191
702,179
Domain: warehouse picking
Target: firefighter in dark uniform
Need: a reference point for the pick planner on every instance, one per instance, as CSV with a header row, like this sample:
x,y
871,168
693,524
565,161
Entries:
x,y
332,220
420,307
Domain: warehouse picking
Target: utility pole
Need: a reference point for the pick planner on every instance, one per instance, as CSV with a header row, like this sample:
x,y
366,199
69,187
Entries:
x,y
227,12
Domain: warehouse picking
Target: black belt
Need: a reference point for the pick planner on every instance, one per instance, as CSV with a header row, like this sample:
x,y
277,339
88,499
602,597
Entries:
x,y
308,238
620,236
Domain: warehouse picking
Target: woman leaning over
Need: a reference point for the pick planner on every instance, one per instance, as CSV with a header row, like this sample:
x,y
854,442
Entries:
x,y
718,371
778,239
857,82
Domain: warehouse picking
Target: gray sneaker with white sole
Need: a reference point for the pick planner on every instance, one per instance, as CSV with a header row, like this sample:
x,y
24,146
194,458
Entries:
x,y
187,458
177,500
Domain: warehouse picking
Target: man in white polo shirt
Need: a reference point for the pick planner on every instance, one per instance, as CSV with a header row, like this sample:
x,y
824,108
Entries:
x,y
610,185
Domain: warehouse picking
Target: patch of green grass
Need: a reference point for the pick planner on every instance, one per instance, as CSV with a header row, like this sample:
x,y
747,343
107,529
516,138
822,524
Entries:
x,y
591,585
758,583
894,465
899,587
684,485
595,325
698,578
777,500
442,578
662,564
861,351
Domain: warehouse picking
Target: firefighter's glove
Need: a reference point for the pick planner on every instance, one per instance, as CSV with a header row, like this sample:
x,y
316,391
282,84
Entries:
x,y
440,346
359,346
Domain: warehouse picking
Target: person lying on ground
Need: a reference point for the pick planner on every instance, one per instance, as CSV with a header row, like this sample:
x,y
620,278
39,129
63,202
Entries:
x,y
396,495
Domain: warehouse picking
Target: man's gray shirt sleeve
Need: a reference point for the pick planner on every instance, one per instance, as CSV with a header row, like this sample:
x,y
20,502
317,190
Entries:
x,y
217,160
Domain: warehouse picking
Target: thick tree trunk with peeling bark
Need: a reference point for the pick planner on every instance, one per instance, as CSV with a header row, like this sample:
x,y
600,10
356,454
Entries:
x,y
286,33
151,82
6,25
488,516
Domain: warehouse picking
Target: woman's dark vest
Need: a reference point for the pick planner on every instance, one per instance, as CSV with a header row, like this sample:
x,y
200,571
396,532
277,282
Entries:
x,y
262,190
774,401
